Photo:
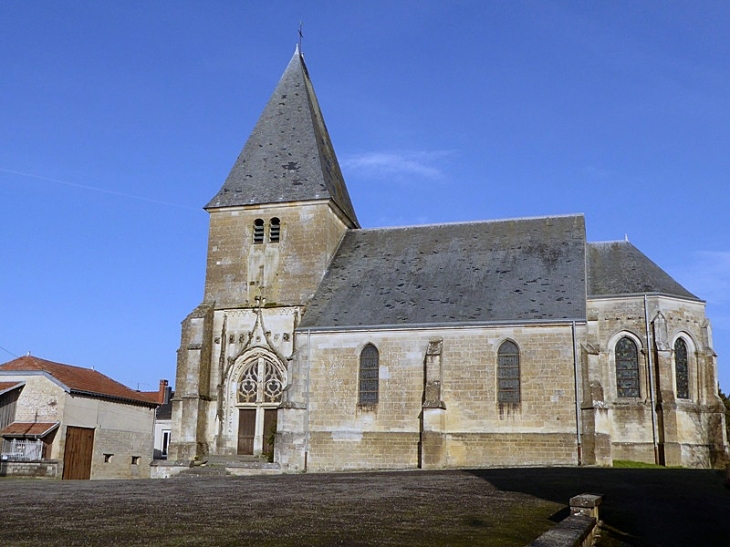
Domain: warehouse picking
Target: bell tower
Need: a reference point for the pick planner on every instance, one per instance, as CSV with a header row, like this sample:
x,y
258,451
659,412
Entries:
x,y
274,226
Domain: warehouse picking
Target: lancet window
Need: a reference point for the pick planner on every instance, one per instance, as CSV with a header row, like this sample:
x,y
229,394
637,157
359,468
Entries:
x,y
369,373
627,368
681,369
508,373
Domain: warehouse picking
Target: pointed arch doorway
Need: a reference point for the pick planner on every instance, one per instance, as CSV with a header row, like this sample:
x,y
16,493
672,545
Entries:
x,y
259,380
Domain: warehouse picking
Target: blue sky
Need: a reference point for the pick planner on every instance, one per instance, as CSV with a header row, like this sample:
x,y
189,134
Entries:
x,y
120,120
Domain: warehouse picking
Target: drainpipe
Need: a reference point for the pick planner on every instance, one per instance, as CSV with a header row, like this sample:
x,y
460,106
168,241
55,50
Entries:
x,y
649,353
577,400
306,418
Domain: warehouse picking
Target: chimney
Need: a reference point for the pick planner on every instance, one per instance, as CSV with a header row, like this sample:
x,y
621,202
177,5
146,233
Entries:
x,y
162,395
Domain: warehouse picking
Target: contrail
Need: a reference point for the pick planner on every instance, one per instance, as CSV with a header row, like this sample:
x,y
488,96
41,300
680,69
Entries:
x,y
95,189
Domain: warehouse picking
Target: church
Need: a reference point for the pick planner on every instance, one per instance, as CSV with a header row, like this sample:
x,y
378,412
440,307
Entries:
x,y
514,342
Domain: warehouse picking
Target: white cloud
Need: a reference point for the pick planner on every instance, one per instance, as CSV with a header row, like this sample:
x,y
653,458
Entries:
x,y
398,164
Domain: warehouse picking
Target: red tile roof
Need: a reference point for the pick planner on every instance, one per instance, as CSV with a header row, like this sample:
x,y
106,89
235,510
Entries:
x,y
80,380
7,386
28,429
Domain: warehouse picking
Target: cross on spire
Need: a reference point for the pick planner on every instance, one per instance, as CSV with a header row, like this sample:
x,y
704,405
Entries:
x,y
301,35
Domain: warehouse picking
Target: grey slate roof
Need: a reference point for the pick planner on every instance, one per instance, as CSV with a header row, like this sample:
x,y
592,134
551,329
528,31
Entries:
x,y
617,267
288,156
498,271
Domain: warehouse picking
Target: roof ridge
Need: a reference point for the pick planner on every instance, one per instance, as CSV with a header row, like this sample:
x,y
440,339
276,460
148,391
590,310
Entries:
x,y
76,378
469,222
610,242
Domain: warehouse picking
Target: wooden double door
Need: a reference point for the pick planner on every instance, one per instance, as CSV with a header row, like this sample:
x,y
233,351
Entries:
x,y
78,452
251,437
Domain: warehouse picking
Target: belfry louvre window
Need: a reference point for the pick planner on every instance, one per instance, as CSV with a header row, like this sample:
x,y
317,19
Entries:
x,y
681,369
508,373
274,230
258,231
369,372
627,368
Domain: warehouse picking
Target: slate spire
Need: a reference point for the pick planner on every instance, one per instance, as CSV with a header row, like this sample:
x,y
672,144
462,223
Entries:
x,y
288,156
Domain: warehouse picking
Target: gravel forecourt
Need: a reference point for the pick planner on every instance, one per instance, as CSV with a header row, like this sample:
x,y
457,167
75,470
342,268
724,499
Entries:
x,y
500,507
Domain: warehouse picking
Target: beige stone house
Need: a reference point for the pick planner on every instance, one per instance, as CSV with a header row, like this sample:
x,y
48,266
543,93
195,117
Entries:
x,y
504,342
73,423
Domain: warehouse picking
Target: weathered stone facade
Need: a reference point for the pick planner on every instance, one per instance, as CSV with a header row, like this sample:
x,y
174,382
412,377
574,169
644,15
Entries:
x,y
254,297
481,344
462,424
682,430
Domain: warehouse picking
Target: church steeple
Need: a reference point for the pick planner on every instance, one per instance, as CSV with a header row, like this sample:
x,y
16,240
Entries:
x,y
289,156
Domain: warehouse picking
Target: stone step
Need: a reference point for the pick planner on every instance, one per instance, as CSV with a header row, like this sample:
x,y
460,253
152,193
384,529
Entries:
x,y
202,471
216,460
233,458
216,466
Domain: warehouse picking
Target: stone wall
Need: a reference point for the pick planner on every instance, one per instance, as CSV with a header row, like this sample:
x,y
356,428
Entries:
x,y
35,469
352,450
464,426
289,270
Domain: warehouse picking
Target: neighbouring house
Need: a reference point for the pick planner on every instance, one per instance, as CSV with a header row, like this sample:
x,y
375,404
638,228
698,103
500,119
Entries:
x,y
502,342
163,421
71,422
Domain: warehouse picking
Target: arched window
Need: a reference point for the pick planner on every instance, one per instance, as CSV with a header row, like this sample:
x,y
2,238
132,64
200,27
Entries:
x,y
261,381
274,230
258,231
508,373
681,369
627,368
369,372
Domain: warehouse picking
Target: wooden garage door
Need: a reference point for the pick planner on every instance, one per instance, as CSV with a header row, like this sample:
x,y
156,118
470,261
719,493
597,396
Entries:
x,y
77,455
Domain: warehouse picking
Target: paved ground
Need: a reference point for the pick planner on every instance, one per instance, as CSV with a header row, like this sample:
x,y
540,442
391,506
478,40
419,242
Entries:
x,y
503,507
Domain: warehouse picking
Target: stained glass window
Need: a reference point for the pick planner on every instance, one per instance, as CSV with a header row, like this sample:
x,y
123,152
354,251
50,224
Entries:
x,y
369,373
627,368
508,373
681,367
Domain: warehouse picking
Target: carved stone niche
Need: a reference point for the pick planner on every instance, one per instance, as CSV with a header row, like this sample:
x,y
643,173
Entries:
x,y
661,338
432,363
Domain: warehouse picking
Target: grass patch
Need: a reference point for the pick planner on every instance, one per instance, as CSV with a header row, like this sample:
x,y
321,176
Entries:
x,y
628,464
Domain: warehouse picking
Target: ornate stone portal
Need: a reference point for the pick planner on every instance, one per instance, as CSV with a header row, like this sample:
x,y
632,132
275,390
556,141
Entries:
x,y
251,386
255,386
